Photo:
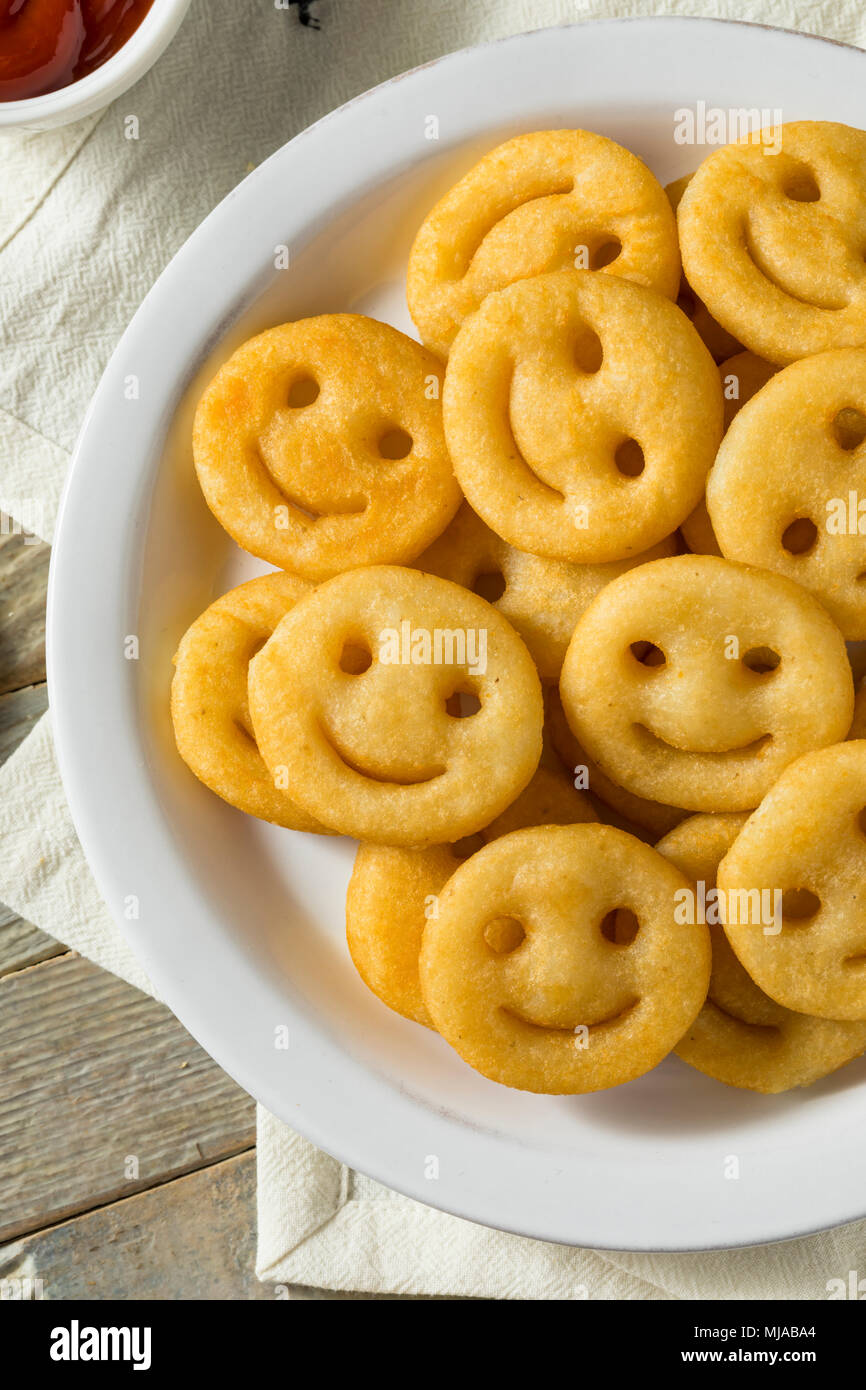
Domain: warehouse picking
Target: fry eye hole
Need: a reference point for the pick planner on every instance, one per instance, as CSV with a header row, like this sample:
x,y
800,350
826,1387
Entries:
x,y
799,904
489,585
303,391
503,935
801,186
647,654
629,459
619,926
800,536
761,660
605,253
462,704
355,658
588,351
395,443
849,428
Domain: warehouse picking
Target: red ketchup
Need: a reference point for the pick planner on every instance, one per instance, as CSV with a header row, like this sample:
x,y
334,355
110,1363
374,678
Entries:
x,y
46,44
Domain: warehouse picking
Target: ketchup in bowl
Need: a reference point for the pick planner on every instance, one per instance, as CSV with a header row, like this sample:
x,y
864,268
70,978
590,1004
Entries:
x,y
46,44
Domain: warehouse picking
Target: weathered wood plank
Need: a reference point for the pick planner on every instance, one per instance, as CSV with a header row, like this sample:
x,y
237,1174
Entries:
x,y
22,944
102,1094
23,586
19,711
193,1238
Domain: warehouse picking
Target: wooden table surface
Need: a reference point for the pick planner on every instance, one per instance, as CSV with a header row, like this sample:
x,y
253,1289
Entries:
x,y
127,1157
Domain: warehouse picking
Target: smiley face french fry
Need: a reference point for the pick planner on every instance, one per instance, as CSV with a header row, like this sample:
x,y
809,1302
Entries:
x,y
548,200
779,494
695,680
394,891
319,446
527,974
566,441
355,701
209,703
773,244
806,842
742,1036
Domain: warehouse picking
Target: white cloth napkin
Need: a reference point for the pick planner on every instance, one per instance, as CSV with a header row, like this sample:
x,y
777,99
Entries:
x,y
88,219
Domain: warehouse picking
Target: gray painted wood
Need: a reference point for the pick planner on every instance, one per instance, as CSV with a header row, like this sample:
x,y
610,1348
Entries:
x,y
19,711
23,582
22,944
23,700
102,1093
192,1238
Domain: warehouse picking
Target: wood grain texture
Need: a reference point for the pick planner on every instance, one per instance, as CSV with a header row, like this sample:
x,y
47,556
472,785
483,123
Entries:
x,y
23,584
19,711
97,1082
193,1238
22,944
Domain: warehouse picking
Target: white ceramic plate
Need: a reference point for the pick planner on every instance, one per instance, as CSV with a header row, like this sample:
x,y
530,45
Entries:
x,y
241,925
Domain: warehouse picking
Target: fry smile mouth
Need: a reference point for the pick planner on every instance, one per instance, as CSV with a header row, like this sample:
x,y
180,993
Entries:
x,y
355,765
775,278
752,746
605,1022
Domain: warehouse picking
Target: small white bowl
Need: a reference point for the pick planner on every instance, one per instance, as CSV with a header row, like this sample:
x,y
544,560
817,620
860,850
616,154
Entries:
x,y
98,88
